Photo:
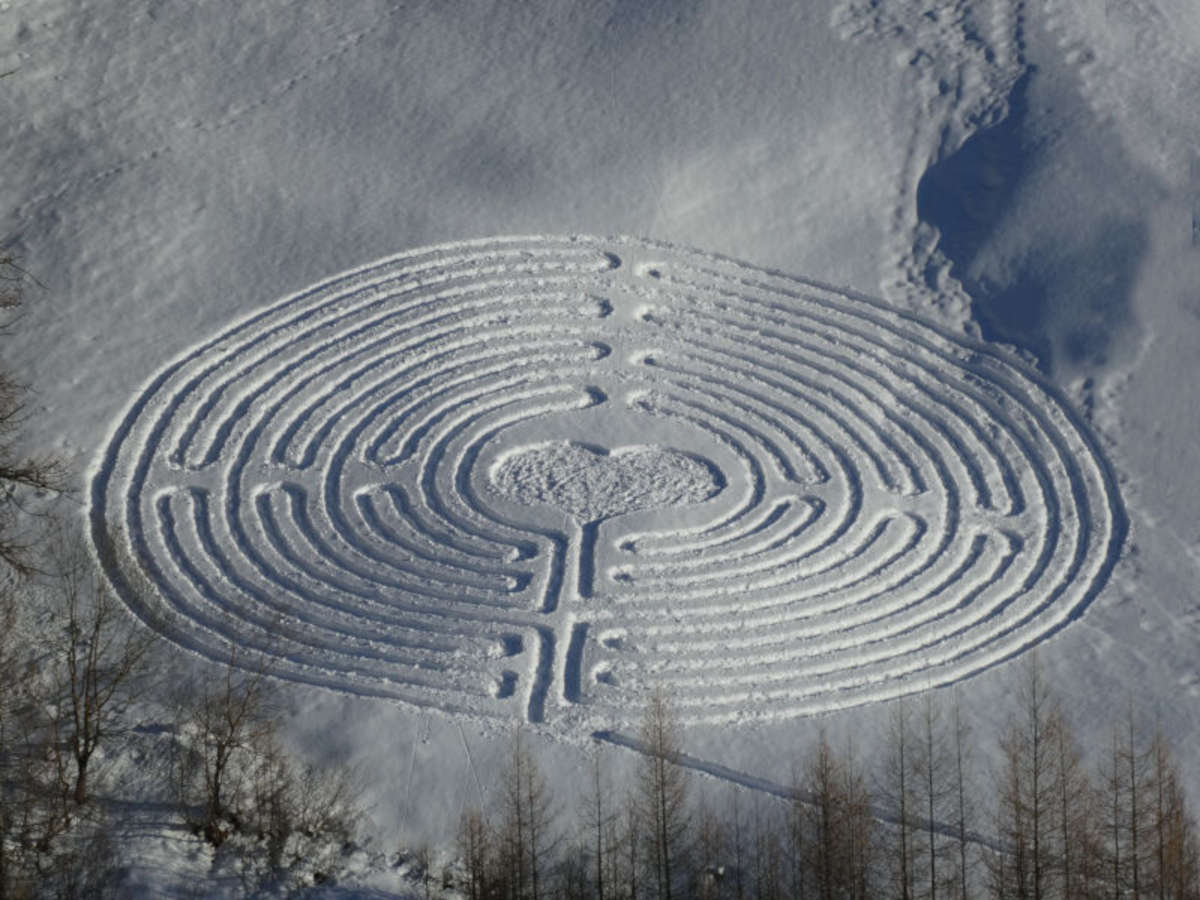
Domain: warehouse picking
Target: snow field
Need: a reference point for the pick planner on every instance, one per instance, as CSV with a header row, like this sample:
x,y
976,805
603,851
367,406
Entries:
x,y
528,477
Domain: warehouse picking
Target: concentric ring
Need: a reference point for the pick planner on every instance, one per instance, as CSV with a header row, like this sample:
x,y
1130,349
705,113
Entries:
x,y
874,506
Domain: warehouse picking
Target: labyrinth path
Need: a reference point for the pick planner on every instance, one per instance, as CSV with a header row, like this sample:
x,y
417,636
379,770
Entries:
x,y
531,476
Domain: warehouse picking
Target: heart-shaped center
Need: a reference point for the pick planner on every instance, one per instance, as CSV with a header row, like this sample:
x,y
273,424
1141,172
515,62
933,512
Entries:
x,y
593,484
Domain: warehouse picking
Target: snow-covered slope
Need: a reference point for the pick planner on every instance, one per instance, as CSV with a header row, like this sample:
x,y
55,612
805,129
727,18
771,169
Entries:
x,y
1012,171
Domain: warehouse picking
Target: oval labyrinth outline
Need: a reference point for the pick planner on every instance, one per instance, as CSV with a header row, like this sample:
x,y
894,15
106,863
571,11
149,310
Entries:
x,y
863,504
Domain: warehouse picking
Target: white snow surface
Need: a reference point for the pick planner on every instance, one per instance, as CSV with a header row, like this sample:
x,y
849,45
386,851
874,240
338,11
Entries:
x,y
317,326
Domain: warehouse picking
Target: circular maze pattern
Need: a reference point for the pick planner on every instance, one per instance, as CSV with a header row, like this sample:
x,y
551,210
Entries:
x,y
531,476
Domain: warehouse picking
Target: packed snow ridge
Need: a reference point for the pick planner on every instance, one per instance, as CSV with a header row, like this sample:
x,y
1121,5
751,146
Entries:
x,y
528,477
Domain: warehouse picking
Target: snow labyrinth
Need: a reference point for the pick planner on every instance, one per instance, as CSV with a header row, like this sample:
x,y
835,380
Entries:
x,y
532,476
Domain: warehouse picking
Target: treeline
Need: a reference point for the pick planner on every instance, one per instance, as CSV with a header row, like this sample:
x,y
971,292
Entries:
x,y
70,683
914,824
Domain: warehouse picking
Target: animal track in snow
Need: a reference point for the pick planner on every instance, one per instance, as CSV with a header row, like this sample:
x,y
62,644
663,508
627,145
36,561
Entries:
x,y
530,476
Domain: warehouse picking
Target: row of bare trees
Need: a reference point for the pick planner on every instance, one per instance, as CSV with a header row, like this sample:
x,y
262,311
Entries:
x,y
238,786
1119,828
72,664
657,839
67,681
915,826
62,679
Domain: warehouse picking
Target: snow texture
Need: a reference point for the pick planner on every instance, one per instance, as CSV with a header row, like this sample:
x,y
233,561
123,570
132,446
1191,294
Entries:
x,y
902,501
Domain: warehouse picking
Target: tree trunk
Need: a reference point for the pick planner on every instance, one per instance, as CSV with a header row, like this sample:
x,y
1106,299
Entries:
x,y
1135,811
960,790
81,780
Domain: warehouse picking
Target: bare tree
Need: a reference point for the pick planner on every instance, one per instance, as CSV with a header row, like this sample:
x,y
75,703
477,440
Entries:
x,y
860,827
797,828
475,848
423,863
325,802
600,819
840,823
44,850
737,839
225,723
1128,791
663,792
1134,763
1114,810
711,847
98,657
31,819
1027,794
1162,775
963,808
633,834
19,472
933,765
822,778
234,776
572,873
269,812
1175,871
1147,835
897,794
526,833
1089,877
27,820
1074,808
768,854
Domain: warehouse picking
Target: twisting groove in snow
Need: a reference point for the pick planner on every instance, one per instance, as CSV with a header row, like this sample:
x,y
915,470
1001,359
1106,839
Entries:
x,y
531,476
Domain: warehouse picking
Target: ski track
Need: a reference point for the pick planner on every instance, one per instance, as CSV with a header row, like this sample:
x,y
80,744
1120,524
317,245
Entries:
x,y
876,505
782,792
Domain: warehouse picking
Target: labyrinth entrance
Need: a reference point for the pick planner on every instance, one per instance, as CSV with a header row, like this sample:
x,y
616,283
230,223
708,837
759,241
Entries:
x,y
530,477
